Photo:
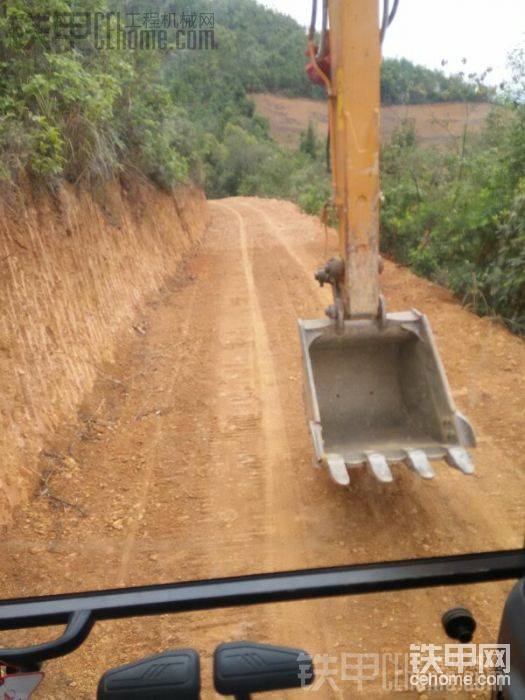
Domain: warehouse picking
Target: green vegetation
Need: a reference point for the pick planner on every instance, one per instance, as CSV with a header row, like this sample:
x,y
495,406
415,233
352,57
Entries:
x,y
76,112
71,110
458,217
402,82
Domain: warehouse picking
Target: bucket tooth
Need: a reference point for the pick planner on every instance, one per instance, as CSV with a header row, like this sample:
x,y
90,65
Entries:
x,y
337,468
459,457
379,466
418,461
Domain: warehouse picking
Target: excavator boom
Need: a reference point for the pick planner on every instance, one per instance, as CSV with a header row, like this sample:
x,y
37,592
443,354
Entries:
x,y
355,55
376,389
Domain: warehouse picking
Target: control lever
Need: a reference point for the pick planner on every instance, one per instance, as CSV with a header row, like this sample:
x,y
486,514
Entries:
x,y
173,675
242,668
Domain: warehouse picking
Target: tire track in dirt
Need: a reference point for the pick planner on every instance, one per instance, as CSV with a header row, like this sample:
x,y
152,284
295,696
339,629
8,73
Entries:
x,y
383,518
274,446
280,478
130,541
460,501
313,499
192,459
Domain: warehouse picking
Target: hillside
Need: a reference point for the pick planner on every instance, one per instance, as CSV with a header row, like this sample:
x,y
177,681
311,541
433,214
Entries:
x,y
437,123
76,268
71,111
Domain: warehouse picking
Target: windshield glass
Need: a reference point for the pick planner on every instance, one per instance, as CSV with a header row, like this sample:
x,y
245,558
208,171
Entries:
x,y
169,189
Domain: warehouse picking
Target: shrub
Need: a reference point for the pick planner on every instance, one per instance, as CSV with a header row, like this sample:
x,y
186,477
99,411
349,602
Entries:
x,y
457,217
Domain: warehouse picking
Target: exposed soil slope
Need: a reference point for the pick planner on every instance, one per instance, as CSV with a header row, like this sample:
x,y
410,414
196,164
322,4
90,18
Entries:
x,y
437,124
75,268
191,459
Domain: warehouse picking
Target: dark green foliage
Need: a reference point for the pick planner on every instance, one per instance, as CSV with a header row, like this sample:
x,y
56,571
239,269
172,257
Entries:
x,y
289,174
81,113
308,142
55,105
458,217
267,48
403,82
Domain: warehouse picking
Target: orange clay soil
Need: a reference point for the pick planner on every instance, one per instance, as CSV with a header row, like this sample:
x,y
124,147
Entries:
x,y
435,124
191,459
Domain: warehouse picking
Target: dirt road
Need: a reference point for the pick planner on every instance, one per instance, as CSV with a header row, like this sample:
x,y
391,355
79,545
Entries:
x,y
191,459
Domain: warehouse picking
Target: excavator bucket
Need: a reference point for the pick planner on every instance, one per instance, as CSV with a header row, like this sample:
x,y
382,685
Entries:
x,y
376,390
377,393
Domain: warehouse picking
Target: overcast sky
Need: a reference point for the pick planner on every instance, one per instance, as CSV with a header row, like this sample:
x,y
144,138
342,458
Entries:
x,y
427,31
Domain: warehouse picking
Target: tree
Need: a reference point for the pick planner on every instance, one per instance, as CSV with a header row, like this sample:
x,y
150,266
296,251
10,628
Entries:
x,y
308,141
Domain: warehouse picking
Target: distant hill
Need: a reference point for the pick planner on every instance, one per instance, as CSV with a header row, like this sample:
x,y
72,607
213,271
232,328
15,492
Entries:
x,y
69,110
438,123
262,50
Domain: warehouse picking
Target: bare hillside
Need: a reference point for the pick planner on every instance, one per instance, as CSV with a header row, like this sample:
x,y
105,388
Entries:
x,y
440,123
75,269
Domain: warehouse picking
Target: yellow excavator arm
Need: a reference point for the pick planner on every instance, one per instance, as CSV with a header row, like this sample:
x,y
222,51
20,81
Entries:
x,y
355,55
376,389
